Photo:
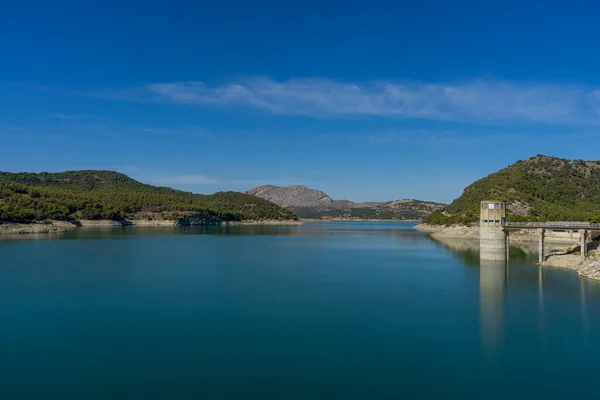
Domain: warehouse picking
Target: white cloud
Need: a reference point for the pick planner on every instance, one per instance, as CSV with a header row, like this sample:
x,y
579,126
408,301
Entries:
x,y
469,101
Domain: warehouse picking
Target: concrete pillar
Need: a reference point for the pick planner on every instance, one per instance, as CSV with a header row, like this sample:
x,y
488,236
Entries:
x,y
492,244
583,234
541,233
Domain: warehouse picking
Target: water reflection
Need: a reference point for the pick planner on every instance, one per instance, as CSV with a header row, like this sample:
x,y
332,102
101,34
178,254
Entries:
x,y
520,279
31,236
492,293
585,319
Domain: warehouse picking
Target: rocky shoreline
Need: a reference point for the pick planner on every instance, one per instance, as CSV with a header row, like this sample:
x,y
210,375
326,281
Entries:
x,y
36,228
454,231
265,222
54,227
590,268
356,220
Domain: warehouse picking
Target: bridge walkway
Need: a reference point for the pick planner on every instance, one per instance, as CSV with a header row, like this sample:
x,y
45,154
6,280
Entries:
x,y
542,227
552,225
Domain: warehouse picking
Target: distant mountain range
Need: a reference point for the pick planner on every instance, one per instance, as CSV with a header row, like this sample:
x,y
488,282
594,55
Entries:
x,y
311,203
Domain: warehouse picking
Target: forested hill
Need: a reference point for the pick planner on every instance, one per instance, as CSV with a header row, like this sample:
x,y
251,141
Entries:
x,y
541,188
71,195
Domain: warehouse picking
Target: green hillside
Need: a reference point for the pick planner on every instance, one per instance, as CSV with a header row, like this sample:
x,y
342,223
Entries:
x,y
538,189
394,210
29,197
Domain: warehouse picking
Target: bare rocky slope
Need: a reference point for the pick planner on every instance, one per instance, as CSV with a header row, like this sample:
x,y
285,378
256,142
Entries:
x,y
311,203
293,196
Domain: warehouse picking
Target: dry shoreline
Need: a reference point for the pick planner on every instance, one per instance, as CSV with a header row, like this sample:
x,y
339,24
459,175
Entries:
x,y
265,222
590,268
54,226
63,226
355,220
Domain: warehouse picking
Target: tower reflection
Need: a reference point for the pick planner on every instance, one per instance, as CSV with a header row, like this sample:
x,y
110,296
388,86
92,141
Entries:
x,y
492,294
535,285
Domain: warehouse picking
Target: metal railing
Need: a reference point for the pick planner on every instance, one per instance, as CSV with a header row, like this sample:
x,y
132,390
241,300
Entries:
x,y
552,224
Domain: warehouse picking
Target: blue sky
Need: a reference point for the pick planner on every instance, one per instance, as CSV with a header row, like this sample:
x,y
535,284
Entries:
x,y
370,100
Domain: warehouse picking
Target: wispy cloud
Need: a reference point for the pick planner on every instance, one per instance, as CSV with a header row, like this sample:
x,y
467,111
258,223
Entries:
x,y
175,179
187,130
249,182
153,177
482,100
267,181
181,180
72,117
386,138
64,116
445,139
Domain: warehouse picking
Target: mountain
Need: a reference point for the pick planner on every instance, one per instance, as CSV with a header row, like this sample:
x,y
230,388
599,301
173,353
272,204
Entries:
x,y
71,195
293,196
311,203
540,188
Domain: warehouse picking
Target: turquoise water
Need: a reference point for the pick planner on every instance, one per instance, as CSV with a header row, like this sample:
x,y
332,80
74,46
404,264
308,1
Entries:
x,y
323,310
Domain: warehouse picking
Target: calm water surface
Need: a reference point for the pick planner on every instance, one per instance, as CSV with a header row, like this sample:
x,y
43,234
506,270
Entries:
x,y
323,310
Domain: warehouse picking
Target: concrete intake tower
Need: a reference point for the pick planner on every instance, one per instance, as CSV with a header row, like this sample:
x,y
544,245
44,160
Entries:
x,y
493,239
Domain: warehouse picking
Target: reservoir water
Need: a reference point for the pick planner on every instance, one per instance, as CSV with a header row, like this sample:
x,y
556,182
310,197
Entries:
x,y
318,311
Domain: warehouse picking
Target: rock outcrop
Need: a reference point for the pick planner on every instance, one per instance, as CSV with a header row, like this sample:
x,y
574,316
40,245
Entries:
x,y
590,268
39,227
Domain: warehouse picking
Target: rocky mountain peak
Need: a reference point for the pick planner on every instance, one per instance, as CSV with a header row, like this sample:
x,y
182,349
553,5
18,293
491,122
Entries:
x,y
292,197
